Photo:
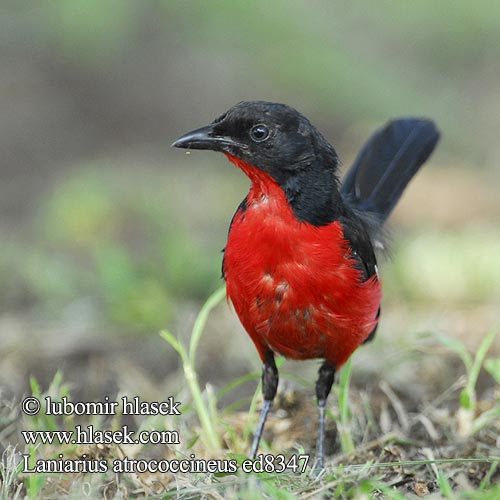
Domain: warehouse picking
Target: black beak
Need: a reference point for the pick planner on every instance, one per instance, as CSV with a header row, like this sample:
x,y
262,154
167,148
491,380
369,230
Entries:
x,y
205,138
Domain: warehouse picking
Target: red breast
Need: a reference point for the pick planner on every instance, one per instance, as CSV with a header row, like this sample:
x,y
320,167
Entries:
x,y
293,285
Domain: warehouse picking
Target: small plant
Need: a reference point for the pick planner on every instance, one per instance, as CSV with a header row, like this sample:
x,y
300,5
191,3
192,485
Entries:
x,y
10,488
206,411
469,424
344,419
58,389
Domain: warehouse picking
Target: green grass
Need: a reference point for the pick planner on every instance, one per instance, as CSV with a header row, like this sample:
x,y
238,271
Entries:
x,y
358,470
471,423
343,422
206,411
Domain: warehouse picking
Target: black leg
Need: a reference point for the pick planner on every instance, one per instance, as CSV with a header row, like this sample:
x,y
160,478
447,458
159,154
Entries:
x,y
323,388
269,387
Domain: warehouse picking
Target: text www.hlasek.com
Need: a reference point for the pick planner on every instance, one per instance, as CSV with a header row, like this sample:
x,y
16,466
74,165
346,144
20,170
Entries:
x,y
89,435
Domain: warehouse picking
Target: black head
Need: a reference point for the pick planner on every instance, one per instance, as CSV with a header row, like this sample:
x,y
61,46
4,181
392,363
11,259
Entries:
x,y
272,137
282,142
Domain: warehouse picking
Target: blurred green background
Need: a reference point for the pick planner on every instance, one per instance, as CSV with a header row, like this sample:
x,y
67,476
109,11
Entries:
x,y
108,235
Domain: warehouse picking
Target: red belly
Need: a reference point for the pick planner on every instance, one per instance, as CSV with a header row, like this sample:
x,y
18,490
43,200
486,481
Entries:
x,y
294,286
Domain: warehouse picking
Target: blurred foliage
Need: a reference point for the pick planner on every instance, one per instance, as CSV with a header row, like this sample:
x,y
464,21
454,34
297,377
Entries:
x,y
126,248
97,239
101,217
112,22
362,61
451,266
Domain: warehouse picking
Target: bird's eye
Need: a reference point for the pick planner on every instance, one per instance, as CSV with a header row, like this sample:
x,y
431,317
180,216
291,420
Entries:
x,y
260,133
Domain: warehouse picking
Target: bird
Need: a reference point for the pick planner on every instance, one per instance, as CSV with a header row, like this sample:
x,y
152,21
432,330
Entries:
x,y
300,261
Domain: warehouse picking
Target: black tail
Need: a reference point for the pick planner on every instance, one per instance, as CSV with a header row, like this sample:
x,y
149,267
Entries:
x,y
387,162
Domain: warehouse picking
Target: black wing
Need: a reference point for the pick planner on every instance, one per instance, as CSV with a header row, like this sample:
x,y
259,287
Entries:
x,y
241,207
378,177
